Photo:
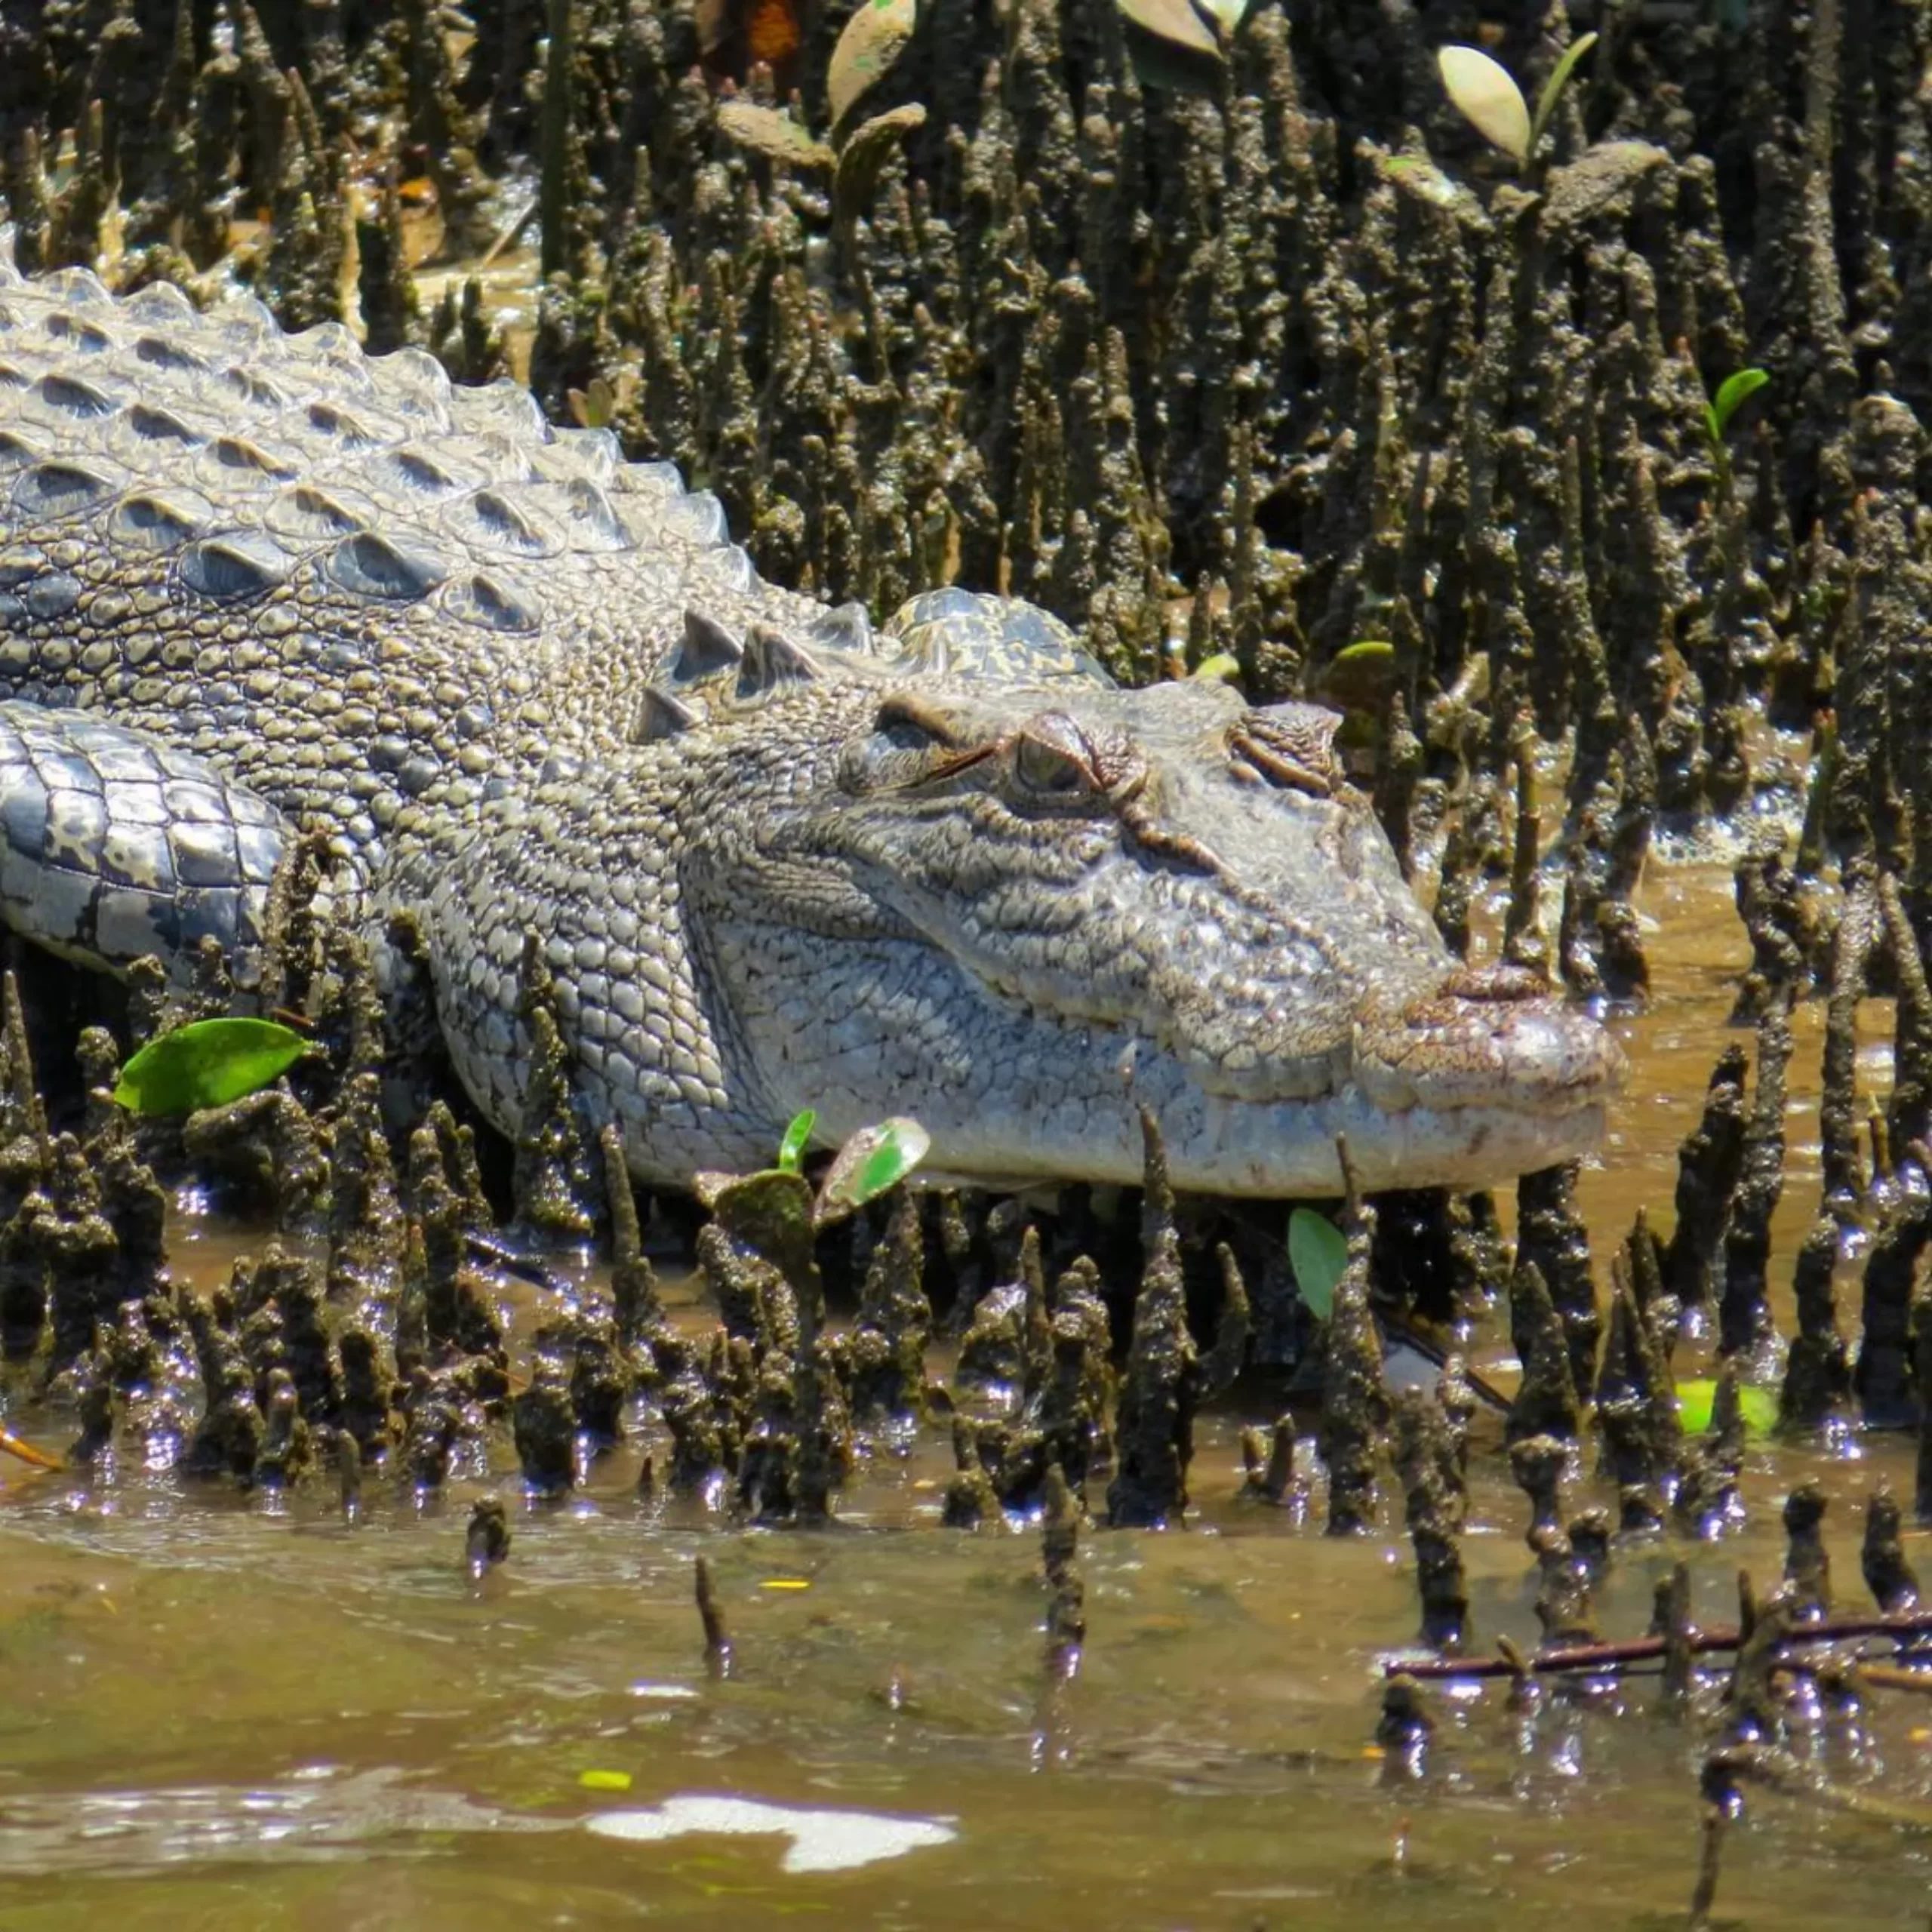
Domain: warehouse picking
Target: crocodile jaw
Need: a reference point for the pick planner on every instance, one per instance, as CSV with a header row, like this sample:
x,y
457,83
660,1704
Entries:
x,y
1464,1089
1276,1152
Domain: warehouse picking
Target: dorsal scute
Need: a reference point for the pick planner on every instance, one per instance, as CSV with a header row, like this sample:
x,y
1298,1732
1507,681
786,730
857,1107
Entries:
x,y
774,658
716,668
228,370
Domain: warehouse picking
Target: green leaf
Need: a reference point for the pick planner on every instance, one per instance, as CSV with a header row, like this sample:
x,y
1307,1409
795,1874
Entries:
x,y
1222,668
873,1160
1733,393
1319,1253
1553,88
1358,678
797,1136
1486,96
1695,1401
206,1064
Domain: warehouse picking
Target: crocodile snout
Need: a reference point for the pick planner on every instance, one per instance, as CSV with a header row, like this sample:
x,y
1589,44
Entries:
x,y
1486,1037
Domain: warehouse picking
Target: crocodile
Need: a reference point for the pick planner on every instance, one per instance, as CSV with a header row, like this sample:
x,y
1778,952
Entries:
x,y
259,589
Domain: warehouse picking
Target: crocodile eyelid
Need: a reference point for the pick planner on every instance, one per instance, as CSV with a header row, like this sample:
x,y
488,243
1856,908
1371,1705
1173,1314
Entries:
x,y
904,707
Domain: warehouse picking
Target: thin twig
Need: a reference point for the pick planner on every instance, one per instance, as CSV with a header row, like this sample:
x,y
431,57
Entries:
x,y
1641,1650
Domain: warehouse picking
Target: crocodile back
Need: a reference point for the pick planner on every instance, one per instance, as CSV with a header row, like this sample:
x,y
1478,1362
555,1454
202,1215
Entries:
x,y
342,577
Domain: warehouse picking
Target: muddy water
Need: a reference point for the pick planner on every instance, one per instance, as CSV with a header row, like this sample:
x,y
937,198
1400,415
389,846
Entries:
x,y
220,1710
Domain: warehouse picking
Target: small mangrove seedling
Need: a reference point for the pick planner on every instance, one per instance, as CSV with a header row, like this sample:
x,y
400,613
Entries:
x,y
207,1063
1485,93
1318,1254
875,1159
798,1137
1696,1402
1730,396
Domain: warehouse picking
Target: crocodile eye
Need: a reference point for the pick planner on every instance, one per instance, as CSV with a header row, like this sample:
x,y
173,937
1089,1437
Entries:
x,y
912,743
1052,759
913,726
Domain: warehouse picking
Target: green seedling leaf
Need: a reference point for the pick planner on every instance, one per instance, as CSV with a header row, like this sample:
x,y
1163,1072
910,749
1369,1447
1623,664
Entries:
x,y
206,1064
1695,1401
797,1136
1371,650
874,1159
1553,88
1486,95
1319,1253
1222,668
1732,393
873,39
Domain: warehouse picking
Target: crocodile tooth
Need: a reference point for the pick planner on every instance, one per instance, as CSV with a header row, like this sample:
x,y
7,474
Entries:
x,y
772,659
661,716
707,648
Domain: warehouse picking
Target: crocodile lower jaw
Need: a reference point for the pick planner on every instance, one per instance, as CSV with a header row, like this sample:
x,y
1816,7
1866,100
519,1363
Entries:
x,y
1274,1151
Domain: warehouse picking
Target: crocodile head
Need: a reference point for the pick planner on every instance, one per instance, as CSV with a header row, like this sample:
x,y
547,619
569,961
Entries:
x,y
1017,913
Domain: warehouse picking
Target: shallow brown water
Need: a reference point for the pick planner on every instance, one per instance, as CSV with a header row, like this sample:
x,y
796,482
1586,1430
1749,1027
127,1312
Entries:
x,y
221,1710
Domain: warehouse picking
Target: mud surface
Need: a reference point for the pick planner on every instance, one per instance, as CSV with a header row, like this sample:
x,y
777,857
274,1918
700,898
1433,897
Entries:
x,y
236,1706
